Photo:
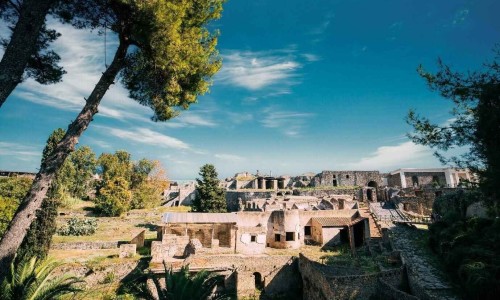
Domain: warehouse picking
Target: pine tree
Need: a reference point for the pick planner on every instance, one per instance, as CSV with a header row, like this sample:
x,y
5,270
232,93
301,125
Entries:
x,y
210,196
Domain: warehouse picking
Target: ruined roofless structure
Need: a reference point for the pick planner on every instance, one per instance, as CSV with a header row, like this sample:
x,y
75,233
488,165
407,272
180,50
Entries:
x,y
251,232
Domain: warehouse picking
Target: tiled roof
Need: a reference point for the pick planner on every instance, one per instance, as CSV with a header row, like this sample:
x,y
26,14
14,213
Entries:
x,y
337,222
188,217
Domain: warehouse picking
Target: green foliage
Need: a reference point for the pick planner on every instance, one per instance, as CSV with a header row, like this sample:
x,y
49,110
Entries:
x,y
114,197
33,280
12,191
42,66
140,184
38,239
75,226
115,165
468,247
182,285
146,195
82,164
210,196
475,123
180,58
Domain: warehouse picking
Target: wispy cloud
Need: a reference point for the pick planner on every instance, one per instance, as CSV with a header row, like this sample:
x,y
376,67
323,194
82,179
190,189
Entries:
x,y
290,123
229,157
82,56
147,136
238,118
18,152
199,118
325,23
392,157
311,57
258,70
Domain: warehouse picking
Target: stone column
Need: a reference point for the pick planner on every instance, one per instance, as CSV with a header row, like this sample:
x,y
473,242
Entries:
x,y
448,174
403,179
351,240
275,184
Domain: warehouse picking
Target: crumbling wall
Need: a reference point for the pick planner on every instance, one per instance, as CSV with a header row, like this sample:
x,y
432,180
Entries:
x,y
232,197
322,285
425,179
346,178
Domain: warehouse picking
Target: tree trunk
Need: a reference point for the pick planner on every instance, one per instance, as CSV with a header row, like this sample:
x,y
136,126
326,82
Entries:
x,y
22,44
25,214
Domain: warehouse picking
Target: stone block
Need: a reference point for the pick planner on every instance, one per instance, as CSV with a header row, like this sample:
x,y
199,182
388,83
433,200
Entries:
x,y
127,250
139,239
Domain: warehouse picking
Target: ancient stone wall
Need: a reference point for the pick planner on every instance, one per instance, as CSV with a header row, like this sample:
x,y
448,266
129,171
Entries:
x,y
318,284
394,180
353,192
346,178
279,274
233,196
85,245
425,179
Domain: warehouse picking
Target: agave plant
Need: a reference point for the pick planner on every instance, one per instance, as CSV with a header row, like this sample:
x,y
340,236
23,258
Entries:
x,y
30,280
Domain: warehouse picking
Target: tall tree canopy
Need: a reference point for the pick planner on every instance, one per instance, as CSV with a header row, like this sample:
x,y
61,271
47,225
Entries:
x,y
475,123
27,50
166,57
210,196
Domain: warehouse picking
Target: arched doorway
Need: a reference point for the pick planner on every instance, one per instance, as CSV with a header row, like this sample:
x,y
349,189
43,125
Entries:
x,y
259,284
371,192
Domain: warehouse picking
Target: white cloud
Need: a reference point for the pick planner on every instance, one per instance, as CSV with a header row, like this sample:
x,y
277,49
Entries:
x,y
406,154
197,118
147,136
238,118
258,70
8,148
290,123
229,157
82,56
327,19
311,57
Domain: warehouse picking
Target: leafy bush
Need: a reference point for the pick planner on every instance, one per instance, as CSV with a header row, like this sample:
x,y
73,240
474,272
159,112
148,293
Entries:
x,y
78,227
114,198
12,191
469,247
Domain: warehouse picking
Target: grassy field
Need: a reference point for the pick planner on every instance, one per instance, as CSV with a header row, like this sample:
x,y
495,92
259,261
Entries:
x,y
122,228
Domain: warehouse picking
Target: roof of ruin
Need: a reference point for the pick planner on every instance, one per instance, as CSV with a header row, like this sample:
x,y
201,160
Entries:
x,y
337,222
187,217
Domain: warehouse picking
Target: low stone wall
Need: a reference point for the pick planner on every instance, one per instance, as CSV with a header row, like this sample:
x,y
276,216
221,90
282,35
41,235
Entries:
x,y
85,245
329,192
319,283
279,274
388,292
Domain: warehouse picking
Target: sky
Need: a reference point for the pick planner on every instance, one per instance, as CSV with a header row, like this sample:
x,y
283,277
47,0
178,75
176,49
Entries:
x,y
305,86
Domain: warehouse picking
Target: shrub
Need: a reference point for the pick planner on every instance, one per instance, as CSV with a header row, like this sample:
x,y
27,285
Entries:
x,y
114,198
78,227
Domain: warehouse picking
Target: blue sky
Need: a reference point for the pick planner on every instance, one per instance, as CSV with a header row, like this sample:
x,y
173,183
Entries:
x,y
305,86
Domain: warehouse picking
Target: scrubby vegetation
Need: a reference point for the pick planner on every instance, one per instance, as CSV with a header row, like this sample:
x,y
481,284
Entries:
x,y
468,247
12,190
77,227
